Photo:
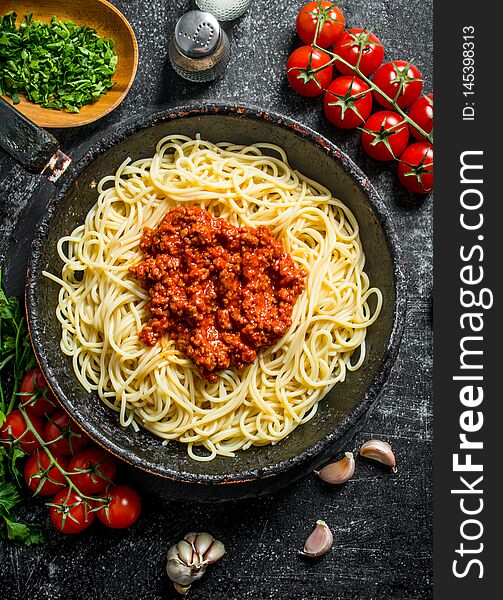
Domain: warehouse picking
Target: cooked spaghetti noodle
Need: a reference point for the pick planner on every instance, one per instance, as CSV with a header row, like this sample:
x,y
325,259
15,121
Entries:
x,y
102,308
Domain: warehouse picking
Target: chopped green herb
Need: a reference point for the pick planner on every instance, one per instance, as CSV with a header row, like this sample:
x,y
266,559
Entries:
x,y
58,65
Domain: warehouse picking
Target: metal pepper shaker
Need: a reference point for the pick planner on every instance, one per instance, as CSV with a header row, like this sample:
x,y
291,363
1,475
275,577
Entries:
x,y
199,49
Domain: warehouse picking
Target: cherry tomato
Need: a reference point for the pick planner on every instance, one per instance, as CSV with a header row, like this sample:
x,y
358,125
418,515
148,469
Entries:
x,y
358,41
36,397
15,430
41,478
331,23
385,135
122,508
69,513
347,102
302,71
400,80
99,470
415,169
60,426
421,112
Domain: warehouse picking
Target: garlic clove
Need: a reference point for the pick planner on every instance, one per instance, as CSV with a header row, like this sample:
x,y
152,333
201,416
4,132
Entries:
x,y
319,541
181,573
215,552
185,552
173,553
340,471
202,543
191,537
379,451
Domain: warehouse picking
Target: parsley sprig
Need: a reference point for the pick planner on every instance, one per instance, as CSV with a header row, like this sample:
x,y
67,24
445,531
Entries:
x,y
16,358
59,65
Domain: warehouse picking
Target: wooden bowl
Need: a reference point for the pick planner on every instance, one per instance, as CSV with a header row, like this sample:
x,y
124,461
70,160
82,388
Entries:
x,y
109,23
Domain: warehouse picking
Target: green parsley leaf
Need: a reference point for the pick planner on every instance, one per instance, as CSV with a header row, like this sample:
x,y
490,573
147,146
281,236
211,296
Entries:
x,y
15,353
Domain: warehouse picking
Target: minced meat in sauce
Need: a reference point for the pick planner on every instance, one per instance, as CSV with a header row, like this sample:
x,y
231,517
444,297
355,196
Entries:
x,y
222,292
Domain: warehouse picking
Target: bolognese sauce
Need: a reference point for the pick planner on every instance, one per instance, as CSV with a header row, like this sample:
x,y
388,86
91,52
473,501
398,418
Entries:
x,y
222,292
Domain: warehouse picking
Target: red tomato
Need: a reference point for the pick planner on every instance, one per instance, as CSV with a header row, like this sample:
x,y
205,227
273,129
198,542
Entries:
x,y
331,22
63,436
415,169
347,102
69,513
92,470
302,71
36,397
356,42
15,430
400,80
385,135
122,508
421,112
41,478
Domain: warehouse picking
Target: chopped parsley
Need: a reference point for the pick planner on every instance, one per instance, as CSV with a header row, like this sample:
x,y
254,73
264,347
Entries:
x,y
59,64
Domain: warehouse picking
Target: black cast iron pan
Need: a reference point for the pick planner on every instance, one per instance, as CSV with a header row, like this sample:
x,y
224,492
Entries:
x,y
340,414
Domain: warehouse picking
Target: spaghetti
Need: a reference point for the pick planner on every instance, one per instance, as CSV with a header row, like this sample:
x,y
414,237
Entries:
x,y
102,308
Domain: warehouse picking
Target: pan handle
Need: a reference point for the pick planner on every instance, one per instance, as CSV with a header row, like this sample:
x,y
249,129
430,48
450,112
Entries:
x,y
30,145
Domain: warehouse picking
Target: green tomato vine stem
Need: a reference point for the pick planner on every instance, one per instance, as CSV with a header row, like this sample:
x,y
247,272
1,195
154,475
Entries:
x,y
373,87
54,463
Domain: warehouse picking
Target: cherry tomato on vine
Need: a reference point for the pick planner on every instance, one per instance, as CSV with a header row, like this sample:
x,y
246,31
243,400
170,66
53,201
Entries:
x,y
72,439
35,396
92,470
421,112
331,22
385,135
358,41
415,169
122,509
347,102
303,74
69,513
400,80
43,479
16,430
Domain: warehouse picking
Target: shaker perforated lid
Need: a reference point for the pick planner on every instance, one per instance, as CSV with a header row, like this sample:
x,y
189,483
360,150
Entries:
x,y
197,34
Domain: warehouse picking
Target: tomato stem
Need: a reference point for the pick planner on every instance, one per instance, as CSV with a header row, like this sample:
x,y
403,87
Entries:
x,y
54,463
373,87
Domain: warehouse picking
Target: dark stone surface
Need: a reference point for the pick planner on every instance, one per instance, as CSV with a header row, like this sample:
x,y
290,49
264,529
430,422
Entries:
x,y
382,523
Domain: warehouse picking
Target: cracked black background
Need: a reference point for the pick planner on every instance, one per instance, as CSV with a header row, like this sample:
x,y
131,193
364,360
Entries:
x,y
382,524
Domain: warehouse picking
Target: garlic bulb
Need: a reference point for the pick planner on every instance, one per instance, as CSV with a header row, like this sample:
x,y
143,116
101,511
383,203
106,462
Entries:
x,y
187,560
